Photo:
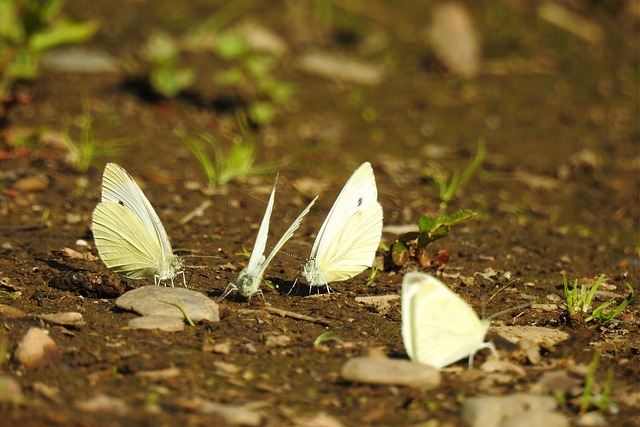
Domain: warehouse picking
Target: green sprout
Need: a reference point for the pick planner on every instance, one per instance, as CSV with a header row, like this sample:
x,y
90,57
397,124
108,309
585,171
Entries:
x,y
412,244
590,397
166,76
326,337
252,75
448,189
11,295
578,300
238,161
27,29
372,276
83,154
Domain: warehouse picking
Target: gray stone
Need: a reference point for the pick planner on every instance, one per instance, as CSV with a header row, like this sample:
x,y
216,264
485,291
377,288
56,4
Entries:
x,y
164,301
375,370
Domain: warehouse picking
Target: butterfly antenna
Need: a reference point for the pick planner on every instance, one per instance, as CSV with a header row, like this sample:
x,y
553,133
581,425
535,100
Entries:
x,y
509,283
287,253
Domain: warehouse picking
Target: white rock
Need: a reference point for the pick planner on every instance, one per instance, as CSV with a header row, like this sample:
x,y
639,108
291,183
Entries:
x,y
341,68
591,419
162,323
245,415
317,420
454,39
390,371
8,312
69,318
164,301
104,403
537,418
515,410
36,349
79,60
559,381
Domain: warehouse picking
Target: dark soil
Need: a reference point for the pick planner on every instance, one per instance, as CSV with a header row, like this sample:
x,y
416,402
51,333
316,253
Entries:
x,y
558,193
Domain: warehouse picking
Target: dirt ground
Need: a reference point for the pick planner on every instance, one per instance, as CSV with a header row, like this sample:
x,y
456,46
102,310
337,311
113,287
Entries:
x,y
558,192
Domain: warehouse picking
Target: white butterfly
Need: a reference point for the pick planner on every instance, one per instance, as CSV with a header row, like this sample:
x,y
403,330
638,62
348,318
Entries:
x,y
349,237
439,327
248,282
128,233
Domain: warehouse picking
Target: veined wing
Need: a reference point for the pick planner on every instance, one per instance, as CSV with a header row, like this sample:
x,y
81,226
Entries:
x,y
359,192
120,187
124,242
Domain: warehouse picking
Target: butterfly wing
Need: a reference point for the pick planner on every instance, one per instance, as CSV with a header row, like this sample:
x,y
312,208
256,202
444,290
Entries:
x,y
124,242
257,259
438,327
349,237
120,187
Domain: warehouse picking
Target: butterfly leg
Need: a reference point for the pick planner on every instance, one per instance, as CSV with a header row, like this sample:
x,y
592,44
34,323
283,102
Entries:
x,y
231,287
184,279
294,284
259,291
489,345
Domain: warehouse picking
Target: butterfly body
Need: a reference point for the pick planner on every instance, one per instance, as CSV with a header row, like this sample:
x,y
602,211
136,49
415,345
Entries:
x,y
248,282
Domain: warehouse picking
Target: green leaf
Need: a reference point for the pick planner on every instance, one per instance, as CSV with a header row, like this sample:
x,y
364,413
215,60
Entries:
x,y
63,32
426,224
399,254
407,237
262,113
169,81
431,225
231,45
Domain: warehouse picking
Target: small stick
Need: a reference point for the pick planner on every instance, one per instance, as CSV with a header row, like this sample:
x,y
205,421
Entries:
x,y
294,315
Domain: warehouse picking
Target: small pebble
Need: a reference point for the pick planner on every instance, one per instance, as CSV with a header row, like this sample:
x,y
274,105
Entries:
x,y
592,419
32,183
67,319
36,349
380,303
245,415
104,403
279,340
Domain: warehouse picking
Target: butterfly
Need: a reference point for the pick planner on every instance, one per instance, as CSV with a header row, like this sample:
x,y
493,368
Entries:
x,y
349,237
128,233
248,282
439,327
